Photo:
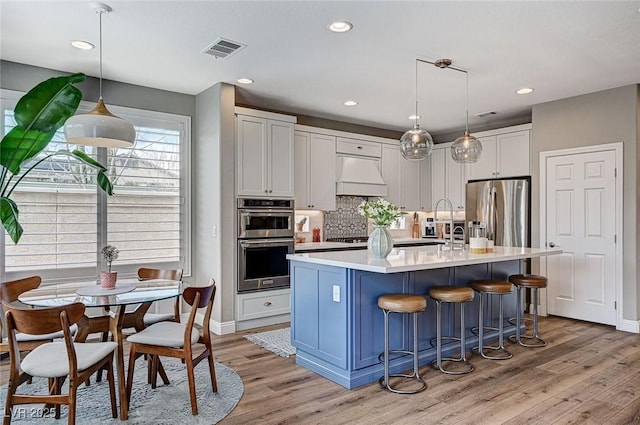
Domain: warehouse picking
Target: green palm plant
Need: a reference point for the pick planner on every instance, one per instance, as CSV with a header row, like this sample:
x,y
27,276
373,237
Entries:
x,y
38,115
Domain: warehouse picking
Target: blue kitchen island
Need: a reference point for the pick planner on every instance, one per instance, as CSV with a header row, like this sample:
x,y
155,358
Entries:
x,y
337,327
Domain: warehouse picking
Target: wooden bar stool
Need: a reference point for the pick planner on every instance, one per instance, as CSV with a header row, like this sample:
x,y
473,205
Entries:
x,y
451,294
401,303
499,288
521,282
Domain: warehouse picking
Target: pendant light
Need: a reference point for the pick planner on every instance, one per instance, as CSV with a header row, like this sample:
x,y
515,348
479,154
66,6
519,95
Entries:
x,y
100,127
416,144
467,148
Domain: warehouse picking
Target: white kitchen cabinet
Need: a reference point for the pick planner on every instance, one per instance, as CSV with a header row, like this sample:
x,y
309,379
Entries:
x,y
403,179
256,305
265,157
315,171
447,177
505,153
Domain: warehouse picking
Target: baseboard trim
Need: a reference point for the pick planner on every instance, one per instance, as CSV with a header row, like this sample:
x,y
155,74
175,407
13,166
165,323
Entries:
x,y
219,328
632,326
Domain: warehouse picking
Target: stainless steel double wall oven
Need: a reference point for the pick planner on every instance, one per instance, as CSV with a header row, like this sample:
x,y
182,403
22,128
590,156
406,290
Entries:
x,y
265,237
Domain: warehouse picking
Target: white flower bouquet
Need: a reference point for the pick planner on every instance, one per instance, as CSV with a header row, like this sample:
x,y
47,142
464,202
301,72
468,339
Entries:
x,y
381,211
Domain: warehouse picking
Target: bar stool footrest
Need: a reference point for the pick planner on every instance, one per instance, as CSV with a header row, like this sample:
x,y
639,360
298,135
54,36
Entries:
x,y
541,342
412,377
469,369
506,354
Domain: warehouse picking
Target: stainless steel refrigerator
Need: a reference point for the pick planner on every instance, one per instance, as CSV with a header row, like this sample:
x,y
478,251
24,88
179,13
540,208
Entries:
x,y
504,205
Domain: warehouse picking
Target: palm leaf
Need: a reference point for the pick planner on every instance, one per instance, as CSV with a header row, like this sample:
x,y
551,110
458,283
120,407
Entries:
x,y
49,104
19,146
9,217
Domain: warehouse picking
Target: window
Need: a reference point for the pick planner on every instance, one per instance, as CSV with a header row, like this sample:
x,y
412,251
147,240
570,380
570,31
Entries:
x,y
67,219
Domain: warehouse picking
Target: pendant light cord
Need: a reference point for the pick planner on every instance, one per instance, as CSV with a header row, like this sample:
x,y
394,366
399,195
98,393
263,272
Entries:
x,y
467,110
415,123
100,12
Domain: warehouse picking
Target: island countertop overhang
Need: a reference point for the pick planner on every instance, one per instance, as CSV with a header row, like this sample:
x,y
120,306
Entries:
x,y
417,258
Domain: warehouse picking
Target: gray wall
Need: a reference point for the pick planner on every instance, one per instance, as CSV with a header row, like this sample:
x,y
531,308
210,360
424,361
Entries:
x,y
214,196
20,77
594,119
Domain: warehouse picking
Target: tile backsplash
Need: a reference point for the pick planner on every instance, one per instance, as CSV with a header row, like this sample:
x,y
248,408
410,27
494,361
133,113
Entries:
x,y
345,220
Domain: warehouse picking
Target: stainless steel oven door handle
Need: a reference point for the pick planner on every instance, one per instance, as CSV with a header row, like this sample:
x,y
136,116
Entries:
x,y
266,242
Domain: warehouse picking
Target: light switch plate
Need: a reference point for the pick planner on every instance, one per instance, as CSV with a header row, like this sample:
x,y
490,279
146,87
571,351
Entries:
x,y
336,293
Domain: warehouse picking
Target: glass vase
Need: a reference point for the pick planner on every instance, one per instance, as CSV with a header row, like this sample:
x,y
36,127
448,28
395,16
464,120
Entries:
x,y
380,242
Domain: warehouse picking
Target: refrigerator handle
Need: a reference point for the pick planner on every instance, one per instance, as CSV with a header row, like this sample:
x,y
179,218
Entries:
x,y
493,214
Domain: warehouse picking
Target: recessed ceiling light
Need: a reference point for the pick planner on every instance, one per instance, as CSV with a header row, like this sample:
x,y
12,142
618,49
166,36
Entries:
x,y
524,90
350,103
414,117
340,26
82,45
245,80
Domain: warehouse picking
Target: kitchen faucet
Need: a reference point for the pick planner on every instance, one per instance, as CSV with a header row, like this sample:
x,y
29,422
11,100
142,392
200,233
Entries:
x,y
450,242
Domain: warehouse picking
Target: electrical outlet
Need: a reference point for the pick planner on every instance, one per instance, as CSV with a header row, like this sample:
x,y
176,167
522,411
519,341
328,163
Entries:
x,y
214,231
336,293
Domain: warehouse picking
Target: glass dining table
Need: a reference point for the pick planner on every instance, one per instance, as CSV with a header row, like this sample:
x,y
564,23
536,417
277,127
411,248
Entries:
x,y
117,318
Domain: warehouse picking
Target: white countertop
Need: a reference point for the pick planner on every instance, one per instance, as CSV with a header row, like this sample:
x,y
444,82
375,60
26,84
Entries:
x,y
310,246
416,258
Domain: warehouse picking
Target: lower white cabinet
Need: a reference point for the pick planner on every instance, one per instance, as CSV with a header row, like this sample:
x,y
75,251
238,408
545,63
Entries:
x,y
255,305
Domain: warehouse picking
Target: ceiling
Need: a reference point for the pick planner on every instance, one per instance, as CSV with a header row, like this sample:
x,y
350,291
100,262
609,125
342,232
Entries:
x,y
562,49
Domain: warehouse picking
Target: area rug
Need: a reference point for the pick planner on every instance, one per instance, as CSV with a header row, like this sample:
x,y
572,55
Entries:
x,y
167,404
277,341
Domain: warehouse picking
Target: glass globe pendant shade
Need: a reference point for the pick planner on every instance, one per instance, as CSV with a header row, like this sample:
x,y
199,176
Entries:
x,y
101,128
466,149
416,144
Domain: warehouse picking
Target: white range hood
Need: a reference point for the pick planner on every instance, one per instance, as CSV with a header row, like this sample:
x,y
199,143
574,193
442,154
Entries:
x,y
359,177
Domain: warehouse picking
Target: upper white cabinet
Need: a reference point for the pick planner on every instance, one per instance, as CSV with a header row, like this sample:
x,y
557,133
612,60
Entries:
x,y
265,155
505,153
315,171
447,177
405,180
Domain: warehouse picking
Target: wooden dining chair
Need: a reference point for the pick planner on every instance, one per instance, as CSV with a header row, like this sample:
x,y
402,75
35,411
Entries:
x,y
55,361
172,339
9,293
145,273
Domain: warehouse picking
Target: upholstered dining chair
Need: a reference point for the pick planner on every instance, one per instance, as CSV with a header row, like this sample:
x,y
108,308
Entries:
x,y
172,339
9,293
55,361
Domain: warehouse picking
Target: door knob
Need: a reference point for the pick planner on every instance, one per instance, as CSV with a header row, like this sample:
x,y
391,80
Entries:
x,y
552,244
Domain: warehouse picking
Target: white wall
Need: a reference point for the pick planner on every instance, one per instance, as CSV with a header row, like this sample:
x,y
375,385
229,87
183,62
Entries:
x,y
213,203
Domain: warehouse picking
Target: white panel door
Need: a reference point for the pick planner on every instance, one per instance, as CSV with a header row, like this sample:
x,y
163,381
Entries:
x,y
410,183
456,182
580,199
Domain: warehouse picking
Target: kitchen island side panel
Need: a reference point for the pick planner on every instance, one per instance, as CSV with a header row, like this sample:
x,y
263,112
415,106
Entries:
x,y
320,325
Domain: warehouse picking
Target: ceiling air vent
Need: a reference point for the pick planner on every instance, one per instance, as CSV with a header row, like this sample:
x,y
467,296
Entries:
x,y
223,48
487,114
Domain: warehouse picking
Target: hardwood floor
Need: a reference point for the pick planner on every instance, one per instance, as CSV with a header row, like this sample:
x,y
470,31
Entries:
x,y
588,374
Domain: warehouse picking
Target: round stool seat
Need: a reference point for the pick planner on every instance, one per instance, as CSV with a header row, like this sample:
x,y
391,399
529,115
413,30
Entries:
x,y
451,294
529,280
402,303
492,286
